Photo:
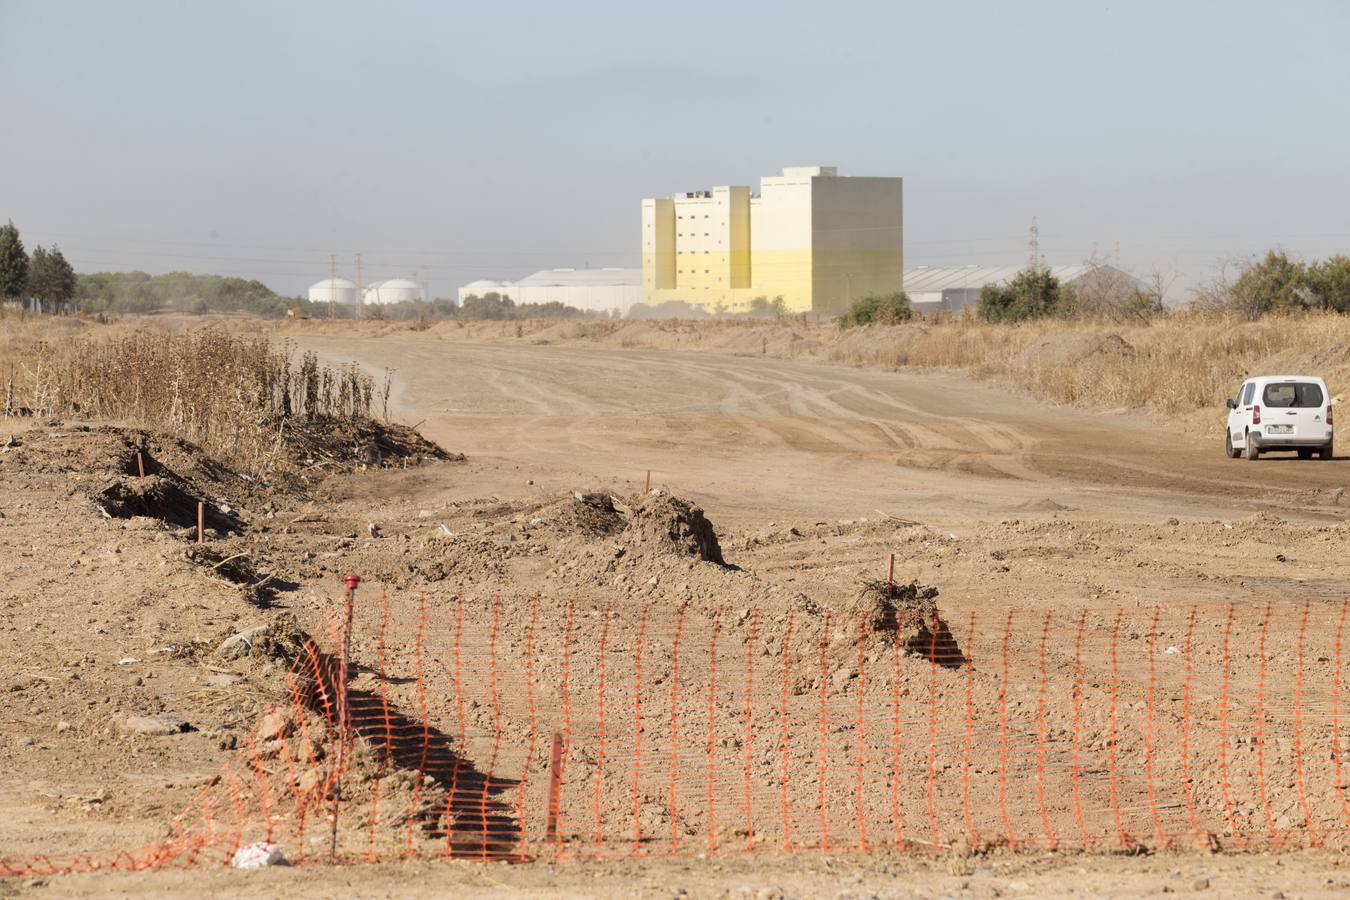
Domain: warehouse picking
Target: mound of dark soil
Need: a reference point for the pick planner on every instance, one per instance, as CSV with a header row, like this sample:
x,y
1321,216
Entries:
x,y
168,498
666,523
595,514
348,445
906,614
131,452
657,523
239,568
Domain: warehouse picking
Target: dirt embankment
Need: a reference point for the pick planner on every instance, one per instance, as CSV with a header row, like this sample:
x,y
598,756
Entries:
x,y
145,660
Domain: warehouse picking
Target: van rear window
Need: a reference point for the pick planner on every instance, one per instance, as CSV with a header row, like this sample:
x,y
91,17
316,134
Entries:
x,y
1295,394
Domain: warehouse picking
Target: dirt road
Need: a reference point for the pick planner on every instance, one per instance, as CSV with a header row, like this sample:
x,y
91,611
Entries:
x,y
763,438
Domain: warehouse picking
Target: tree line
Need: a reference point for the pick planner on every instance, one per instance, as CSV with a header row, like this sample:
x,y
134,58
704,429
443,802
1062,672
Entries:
x,y
45,276
1274,284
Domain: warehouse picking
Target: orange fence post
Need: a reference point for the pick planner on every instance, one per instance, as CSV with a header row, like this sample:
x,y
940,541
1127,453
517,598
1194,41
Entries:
x,y
201,522
598,816
344,720
637,725
1336,750
1313,837
554,789
1003,738
821,747
784,746
647,485
140,465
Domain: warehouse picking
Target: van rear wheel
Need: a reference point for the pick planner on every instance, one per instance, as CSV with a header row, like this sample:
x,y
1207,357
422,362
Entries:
x,y
1253,449
1305,453
1326,452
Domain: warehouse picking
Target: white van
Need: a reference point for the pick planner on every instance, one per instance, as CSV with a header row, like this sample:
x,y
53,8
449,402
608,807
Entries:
x,y
1280,412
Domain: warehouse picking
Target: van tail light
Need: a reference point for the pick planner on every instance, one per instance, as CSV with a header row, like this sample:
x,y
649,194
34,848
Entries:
x,y
1256,415
1330,421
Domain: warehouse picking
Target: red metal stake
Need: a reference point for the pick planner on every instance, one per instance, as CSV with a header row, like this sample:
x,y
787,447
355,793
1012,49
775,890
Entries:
x,y
647,485
554,789
890,572
201,521
140,464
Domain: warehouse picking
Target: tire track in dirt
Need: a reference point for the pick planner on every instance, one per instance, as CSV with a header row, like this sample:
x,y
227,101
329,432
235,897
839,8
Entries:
x,y
825,440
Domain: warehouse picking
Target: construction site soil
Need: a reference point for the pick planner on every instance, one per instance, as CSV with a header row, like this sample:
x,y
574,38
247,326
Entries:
x,y
138,661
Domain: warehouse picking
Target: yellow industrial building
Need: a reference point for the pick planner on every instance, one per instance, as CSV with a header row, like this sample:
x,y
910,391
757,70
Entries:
x,y
813,238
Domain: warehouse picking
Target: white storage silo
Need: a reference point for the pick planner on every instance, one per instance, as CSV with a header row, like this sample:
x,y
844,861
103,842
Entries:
x,y
395,290
334,290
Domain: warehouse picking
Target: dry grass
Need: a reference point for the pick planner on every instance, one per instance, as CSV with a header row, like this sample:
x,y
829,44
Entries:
x,y
1171,366
232,394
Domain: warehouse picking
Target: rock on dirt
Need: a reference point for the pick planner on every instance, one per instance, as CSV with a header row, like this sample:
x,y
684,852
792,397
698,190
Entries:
x,y
239,645
221,680
258,856
156,726
279,640
274,726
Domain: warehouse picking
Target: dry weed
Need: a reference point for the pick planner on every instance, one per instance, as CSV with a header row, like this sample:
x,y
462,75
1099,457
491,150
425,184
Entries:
x,y
232,394
1174,365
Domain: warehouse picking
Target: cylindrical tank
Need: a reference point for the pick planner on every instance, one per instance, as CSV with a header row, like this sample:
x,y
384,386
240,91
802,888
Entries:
x,y
334,290
395,290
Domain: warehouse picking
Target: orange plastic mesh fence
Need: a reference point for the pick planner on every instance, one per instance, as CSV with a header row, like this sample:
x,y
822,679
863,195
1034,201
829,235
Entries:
x,y
697,728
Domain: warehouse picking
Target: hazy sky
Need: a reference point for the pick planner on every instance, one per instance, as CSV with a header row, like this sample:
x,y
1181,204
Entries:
x,y
452,141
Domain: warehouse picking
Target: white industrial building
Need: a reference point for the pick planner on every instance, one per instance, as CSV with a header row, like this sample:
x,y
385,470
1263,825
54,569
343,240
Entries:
x,y
593,290
815,238
395,290
933,289
334,290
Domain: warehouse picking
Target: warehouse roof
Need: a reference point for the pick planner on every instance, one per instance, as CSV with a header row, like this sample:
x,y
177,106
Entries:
x,y
926,279
582,278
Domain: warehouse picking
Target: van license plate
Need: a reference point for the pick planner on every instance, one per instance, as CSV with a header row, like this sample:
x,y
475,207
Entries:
x,y
1282,429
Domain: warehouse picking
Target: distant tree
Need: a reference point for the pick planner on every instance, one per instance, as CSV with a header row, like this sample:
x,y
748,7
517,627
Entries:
x,y
1329,282
50,278
1032,294
764,308
137,292
1274,283
13,264
491,306
1106,292
667,309
553,309
880,309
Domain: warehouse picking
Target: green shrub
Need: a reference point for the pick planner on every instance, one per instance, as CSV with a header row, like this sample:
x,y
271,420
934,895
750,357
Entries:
x,y
1277,284
880,309
1032,294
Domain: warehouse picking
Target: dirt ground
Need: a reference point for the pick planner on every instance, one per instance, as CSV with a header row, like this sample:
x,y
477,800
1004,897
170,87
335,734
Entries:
x,y
812,474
